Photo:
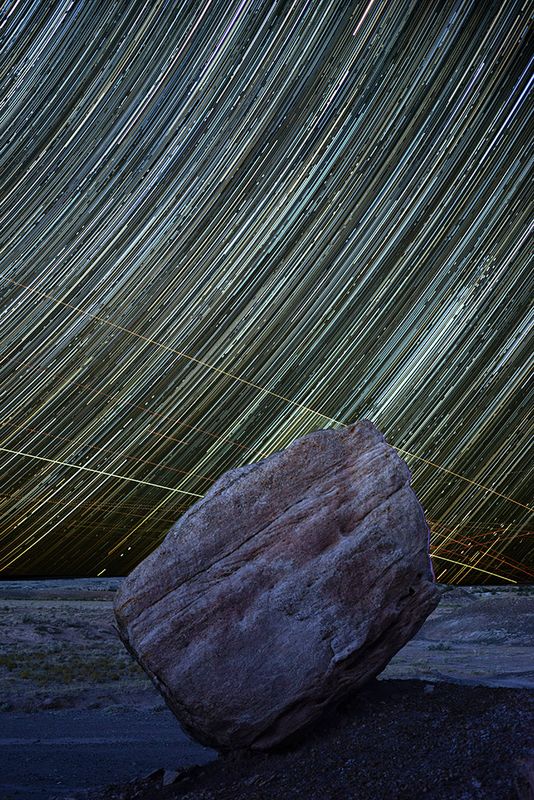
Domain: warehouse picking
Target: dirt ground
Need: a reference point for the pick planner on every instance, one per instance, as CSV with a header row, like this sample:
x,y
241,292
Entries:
x,y
58,649
395,740
450,718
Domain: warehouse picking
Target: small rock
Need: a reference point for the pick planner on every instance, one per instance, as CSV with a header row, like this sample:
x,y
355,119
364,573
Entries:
x,y
155,775
252,781
429,688
170,776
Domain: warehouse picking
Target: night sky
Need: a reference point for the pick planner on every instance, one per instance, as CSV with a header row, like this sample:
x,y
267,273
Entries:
x,y
226,224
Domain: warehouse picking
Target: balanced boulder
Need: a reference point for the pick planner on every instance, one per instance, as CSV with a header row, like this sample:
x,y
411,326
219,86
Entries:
x,y
292,582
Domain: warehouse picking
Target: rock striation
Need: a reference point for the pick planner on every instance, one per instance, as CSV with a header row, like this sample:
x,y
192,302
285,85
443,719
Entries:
x,y
292,582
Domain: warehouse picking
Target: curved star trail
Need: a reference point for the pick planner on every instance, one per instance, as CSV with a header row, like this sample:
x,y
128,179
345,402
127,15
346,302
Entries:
x,y
224,225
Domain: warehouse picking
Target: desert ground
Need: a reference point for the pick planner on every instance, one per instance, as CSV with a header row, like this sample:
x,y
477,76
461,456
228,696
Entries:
x,y
451,716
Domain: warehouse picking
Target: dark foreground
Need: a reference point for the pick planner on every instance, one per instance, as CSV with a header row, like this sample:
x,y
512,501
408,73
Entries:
x,y
76,713
63,752
395,740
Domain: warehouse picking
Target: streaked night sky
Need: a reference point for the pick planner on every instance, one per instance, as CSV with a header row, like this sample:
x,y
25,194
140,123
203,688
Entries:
x,y
226,224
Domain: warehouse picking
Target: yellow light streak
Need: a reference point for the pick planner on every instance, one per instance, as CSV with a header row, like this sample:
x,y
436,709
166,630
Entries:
x,y
234,377
98,471
468,567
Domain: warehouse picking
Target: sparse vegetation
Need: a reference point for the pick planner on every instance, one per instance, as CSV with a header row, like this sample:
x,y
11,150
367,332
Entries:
x,y
72,668
57,654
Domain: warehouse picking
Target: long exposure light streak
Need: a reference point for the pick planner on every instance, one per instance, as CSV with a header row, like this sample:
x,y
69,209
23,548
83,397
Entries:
x,y
97,471
486,571
226,225
267,391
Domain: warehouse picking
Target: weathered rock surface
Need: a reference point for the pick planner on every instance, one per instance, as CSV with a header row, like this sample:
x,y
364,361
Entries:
x,y
293,581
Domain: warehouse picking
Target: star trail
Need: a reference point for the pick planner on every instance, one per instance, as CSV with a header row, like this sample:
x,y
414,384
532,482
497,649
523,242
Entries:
x,y
225,225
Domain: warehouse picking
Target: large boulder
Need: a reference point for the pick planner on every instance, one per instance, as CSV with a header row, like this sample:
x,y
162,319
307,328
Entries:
x,y
293,581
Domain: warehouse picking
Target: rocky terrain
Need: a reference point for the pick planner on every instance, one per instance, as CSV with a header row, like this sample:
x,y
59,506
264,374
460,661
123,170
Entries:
x,y
453,708
393,740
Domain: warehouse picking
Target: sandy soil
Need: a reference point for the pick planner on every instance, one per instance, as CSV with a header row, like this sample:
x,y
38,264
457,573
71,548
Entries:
x,y
476,636
474,655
